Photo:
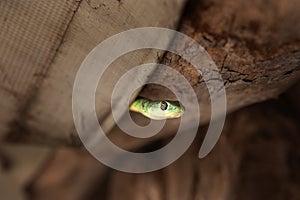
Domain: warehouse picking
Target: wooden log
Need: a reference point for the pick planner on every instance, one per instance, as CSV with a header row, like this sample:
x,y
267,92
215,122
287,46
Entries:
x,y
258,58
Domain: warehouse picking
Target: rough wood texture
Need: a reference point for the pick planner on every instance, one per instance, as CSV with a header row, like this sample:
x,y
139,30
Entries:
x,y
256,50
258,57
256,46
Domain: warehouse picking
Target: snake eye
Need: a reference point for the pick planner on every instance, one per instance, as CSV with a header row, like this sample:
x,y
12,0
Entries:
x,y
163,105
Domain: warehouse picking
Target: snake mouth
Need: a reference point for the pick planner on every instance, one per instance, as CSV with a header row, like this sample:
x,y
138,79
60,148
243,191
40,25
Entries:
x,y
175,114
178,115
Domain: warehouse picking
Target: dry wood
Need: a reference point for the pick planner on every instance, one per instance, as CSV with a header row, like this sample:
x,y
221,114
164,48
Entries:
x,y
256,46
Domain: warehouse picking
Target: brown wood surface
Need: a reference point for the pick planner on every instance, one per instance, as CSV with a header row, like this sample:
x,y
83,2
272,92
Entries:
x,y
256,46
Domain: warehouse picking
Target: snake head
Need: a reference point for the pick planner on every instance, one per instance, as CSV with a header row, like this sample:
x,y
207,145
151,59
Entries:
x,y
157,110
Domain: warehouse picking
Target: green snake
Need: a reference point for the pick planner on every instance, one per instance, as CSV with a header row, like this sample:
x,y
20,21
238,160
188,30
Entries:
x,y
157,110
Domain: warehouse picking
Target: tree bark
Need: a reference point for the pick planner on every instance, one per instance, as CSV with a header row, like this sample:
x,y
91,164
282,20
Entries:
x,y
258,58
256,46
